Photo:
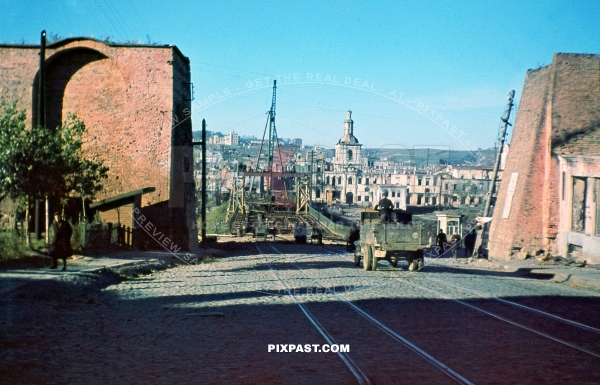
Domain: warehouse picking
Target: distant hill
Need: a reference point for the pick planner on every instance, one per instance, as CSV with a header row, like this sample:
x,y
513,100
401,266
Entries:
x,y
422,157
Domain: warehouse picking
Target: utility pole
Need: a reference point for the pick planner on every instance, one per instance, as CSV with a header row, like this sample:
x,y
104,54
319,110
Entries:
x,y
202,143
490,194
41,123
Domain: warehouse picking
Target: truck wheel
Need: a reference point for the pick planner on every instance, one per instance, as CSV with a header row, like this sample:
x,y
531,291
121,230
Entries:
x,y
412,265
368,259
394,261
420,264
373,261
356,258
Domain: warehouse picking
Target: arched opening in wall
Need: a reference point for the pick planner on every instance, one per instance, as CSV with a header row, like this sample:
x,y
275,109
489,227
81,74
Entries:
x,y
87,83
349,198
349,155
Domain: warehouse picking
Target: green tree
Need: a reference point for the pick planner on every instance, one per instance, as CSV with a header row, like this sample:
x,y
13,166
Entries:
x,y
40,163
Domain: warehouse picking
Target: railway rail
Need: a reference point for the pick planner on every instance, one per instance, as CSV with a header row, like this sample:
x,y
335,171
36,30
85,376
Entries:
x,y
359,316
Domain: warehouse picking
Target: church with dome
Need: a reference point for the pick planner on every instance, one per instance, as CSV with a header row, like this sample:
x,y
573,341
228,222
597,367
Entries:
x,y
345,178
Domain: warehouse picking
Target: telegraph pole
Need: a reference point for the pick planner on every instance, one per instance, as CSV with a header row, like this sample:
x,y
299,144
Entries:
x,y
202,143
41,123
490,194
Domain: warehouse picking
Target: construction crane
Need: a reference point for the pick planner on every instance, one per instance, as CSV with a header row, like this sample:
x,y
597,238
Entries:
x,y
273,177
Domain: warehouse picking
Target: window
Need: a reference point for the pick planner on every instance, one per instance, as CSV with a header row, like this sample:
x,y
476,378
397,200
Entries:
x,y
578,205
366,180
426,181
358,198
419,181
327,181
393,194
397,205
375,181
359,180
452,227
366,198
349,155
339,180
349,180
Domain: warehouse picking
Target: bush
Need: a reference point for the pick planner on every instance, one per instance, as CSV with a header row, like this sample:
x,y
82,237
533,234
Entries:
x,y
11,246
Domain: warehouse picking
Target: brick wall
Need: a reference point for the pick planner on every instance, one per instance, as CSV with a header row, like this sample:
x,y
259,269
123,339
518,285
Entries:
x,y
128,96
558,101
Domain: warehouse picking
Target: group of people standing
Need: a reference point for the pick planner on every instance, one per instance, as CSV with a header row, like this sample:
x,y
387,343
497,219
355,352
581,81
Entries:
x,y
454,244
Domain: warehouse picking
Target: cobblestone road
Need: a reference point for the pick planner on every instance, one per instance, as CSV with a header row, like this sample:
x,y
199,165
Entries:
x,y
212,324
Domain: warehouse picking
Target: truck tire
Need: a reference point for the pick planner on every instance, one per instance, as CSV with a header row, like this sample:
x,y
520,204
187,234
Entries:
x,y
373,261
420,264
412,266
368,258
394,261
356,257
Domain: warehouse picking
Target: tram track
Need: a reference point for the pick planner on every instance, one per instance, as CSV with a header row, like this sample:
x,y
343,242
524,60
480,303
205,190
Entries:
x,y
358,373
592,340
489,296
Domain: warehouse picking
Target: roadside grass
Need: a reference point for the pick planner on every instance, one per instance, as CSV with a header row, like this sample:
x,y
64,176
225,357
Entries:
x,y
215,221
15,253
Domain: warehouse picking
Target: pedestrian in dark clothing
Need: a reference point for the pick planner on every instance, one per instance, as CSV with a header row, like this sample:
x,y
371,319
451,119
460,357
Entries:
x,y
441,242
470,242
60,241
385,207
354,236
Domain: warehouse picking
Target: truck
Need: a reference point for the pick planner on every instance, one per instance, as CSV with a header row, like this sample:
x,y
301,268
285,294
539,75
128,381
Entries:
x,y
397,239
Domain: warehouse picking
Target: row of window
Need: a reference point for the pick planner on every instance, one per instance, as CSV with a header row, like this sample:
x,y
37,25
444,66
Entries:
x,y
338,180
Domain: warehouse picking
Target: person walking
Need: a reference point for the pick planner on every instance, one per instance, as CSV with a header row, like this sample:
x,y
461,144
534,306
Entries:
x,y
441,241
60,241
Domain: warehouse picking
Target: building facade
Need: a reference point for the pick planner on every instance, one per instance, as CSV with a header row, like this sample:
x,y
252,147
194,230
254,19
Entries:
x,y
136,103
547,201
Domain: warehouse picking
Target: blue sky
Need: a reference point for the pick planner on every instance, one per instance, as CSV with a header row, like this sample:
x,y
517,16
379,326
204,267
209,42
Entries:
x,y
414,73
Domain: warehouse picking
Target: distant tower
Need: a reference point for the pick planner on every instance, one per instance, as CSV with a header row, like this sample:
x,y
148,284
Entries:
x,y
347,150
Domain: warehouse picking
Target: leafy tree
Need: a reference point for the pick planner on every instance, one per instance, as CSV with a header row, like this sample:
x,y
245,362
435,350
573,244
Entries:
x,y
40,163
82,176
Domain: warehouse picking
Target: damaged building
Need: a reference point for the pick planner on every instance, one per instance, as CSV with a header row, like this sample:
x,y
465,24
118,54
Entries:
x,y
548,201
135,101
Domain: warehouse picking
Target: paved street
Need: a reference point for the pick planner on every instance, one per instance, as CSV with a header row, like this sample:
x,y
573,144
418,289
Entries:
x,y
213,323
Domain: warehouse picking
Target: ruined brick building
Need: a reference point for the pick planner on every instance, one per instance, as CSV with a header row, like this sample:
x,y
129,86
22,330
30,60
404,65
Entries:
x,y
549,198
136,103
